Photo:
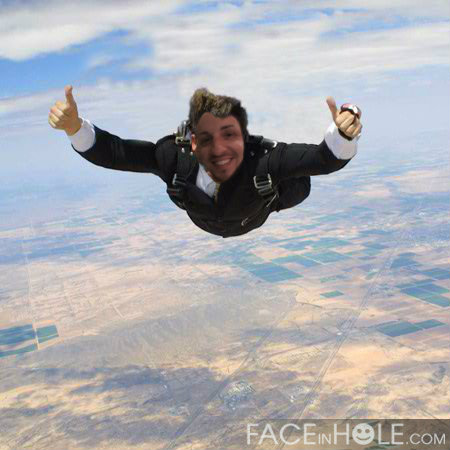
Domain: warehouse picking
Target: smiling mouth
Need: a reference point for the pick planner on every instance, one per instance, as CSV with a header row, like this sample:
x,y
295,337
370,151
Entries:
x,y
222,162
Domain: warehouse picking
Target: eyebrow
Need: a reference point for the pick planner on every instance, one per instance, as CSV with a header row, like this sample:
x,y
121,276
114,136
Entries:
x,y
222,128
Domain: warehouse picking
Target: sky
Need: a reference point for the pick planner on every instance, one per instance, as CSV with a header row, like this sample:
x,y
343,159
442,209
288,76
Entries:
x,y
135,64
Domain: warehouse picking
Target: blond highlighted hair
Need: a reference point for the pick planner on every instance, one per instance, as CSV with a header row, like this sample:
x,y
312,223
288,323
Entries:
x,y
220,106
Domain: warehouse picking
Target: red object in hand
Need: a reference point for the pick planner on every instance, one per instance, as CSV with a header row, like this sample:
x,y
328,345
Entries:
x,y
351,108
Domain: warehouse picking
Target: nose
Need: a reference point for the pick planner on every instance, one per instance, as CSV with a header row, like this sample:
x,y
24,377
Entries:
x,y
218,147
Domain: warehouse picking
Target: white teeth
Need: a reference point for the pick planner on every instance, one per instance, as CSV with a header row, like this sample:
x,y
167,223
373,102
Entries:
x,y
224,161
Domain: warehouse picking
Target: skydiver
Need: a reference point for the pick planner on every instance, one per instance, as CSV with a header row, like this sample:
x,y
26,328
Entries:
x,y
227,180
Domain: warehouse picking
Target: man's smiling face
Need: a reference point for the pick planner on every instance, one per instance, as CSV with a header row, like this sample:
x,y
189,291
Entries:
x,y
218,145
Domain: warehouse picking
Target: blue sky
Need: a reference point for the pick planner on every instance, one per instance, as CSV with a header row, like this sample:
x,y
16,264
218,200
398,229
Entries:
x,y
74,63
135,64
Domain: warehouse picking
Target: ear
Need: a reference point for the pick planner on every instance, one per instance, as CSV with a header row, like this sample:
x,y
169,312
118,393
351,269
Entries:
x,y
193,142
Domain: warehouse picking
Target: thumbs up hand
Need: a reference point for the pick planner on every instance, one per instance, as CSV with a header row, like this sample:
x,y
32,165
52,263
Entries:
x,y
64,115
347,119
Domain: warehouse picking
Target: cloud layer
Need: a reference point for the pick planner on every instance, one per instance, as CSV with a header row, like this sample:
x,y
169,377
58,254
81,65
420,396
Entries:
x,y
282,58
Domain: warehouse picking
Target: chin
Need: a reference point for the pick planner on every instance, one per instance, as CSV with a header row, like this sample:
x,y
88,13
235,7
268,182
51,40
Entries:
x,y
222,177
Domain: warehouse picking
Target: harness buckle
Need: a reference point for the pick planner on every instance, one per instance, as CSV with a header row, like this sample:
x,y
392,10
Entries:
x,y
176,190
265,188
263,184
183,134
177,180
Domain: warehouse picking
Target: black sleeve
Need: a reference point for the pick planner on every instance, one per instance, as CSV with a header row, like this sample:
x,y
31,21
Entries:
x,y
112,152
299,160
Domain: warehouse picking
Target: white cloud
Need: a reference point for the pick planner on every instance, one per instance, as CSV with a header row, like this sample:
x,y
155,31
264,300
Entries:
x,y
265,55
282,71
408,9
132,106
32,28
99,60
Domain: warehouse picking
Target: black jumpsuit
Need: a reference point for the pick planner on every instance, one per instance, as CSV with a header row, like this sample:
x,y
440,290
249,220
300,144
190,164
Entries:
x,y
239,207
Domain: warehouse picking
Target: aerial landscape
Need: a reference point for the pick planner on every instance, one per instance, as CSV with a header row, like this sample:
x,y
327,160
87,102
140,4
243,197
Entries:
x,y
126,327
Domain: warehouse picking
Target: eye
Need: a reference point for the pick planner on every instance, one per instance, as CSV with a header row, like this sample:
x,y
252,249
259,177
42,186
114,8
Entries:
x,y
204,141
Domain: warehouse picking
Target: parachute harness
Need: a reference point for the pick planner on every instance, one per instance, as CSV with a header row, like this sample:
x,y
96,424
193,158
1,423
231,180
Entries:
x,y
262,179
184,161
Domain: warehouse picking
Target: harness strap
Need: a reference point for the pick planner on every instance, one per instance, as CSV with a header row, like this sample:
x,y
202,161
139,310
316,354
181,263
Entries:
x,y
262,179
176,190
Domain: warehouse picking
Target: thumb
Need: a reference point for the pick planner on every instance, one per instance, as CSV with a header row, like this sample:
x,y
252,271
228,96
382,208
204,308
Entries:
x,y
333,108
69,96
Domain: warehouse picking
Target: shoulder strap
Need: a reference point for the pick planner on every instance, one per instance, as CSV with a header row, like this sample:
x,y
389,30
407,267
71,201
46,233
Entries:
x,y
185,159
262,179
